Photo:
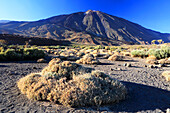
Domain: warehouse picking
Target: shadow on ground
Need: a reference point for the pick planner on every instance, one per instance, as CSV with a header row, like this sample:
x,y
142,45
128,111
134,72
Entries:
x,y
142,98
105,64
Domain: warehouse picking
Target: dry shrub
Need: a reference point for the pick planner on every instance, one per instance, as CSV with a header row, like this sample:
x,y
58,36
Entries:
x,y
88,59
95,52
80,54
88,51
116,58
72,85
151,58
151,61
166,74
35,86
164,61
110,52
126,53
69,55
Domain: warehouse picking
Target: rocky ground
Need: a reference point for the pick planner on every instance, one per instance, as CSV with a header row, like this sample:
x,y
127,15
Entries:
x,y
148,91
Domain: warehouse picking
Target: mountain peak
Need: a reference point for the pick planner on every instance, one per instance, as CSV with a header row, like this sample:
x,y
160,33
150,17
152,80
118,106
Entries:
x,y
90,11
90,27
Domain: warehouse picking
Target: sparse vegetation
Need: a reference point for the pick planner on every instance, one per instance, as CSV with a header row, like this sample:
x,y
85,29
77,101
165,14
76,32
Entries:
x,y
19,53
88,59
138,53
164,52
72,85
166,74
116,58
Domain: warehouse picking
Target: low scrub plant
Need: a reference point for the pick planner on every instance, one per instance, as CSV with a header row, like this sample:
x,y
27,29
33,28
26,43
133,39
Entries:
x,y
99,47
164,52
88,59
138,53
166,74
116,57
33,53
11,54
20,53
2,56
72,85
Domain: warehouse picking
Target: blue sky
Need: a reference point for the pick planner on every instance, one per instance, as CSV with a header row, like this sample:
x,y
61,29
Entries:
x,y
152,14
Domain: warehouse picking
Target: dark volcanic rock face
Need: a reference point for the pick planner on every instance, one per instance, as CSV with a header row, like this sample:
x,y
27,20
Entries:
x,y
93,27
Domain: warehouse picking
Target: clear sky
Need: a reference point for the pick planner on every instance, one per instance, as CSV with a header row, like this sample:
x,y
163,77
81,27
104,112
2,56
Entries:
x,y
152,14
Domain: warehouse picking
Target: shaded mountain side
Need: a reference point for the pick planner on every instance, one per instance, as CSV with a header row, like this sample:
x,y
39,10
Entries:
x,y
90,27
21,40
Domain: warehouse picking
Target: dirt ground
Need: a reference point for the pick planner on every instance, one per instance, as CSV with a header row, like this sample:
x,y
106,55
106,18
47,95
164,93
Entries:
x,y
148,91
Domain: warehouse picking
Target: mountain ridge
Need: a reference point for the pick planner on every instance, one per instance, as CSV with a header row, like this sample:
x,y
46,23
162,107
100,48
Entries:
x,y
90,27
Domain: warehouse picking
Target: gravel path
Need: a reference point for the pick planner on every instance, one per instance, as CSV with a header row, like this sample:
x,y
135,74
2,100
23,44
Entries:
x,y
148,90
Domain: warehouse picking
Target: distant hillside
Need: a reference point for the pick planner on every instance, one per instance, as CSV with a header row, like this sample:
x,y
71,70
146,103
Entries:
x,y
20,40
90,27
4,21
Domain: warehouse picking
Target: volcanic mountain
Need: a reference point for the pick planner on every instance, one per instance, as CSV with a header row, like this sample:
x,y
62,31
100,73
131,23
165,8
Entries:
x,y
90,27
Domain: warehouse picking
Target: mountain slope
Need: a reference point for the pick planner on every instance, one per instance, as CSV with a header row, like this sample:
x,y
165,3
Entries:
x,y
90,27
4,21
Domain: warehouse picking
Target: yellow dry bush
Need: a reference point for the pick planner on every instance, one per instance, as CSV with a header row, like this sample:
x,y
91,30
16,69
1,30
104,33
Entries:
x,y
164,61
71,84
54,61
88,59
80,54
88,51
126,53
151,61
166,74
151,58
116,58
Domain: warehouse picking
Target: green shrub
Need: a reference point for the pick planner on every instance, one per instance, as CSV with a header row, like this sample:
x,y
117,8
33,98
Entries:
x,y
151,52
99,47
1,49
138,53
89,47
56,47
107,47
164,52
113,48
2,56
10,54
33,53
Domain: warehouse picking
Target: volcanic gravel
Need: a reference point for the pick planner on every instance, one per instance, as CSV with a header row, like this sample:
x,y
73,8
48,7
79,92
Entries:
x,y
148,91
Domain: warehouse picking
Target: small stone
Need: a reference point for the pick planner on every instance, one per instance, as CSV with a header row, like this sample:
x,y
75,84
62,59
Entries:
x,y
34,67
168,110
151,66
125,64
11,73
119,69
111,69
145,66
42,60
128,65
155,66
161,65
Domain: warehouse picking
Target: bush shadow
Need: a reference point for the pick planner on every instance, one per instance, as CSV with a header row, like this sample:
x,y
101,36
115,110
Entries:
x,y
142,98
